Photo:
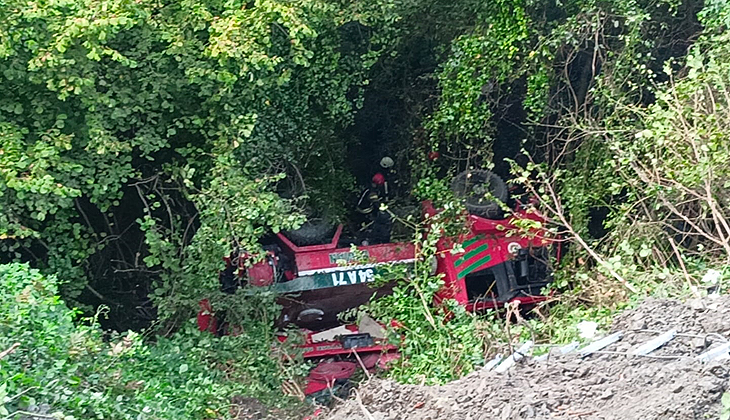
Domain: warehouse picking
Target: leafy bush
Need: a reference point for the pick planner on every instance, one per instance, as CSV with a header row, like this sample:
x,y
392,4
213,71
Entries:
x,y
72,371
475,77
438,342
115,112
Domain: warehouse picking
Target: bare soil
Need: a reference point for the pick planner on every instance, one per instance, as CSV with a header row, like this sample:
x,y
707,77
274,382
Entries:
x,y
673,386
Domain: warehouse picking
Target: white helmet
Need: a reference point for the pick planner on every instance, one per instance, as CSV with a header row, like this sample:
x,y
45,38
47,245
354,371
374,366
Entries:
x,y
386,162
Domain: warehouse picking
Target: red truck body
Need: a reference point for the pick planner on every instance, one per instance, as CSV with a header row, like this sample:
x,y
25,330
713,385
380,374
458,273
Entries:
x,y
497,263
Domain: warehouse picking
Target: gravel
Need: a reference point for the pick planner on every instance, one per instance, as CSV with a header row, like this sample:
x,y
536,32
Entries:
x,y
673,386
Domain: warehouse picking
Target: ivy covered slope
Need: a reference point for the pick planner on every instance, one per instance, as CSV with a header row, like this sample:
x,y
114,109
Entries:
x,y
139,141
62,369
121,120
142,140
611,114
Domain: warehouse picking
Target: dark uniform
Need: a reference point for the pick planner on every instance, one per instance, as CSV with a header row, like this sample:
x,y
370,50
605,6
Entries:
x,y
378,223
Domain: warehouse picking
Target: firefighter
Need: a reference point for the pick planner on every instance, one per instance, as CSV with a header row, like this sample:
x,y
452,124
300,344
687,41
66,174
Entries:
x,y
390,183
370,199
377,223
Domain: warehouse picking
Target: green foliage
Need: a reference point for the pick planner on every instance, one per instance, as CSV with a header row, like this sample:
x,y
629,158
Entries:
x,y
439,342
715,15
112,108
430,186
154,137
72,371
725,410
680,155
234,211
480,65
630,126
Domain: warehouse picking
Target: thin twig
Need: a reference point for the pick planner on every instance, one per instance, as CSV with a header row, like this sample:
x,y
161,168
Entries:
x,y
362,365
362,406
28,413
426,308
557,210
95,293
9,350
684,269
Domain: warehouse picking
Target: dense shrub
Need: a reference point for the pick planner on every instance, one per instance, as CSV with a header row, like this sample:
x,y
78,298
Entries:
x,y
71,370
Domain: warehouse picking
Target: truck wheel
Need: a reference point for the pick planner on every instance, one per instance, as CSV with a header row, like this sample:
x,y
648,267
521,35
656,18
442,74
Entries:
x,y
481,191
313,232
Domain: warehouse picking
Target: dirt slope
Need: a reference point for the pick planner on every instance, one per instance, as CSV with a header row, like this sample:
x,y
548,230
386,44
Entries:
x,y
605,386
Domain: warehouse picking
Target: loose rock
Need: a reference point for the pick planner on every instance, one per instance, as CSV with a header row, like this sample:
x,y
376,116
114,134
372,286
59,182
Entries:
x,y
605,387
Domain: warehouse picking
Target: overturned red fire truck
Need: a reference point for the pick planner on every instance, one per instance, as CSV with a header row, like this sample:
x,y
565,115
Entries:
x,y
498,263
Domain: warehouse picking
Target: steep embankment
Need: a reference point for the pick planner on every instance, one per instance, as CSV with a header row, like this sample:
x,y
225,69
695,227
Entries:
x,y
671,384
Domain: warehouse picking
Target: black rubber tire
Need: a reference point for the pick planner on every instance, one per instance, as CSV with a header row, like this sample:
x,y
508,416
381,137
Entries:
x,y
473,186
313,232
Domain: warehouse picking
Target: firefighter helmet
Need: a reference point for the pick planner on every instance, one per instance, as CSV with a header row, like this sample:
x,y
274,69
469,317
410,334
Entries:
x,y
378,179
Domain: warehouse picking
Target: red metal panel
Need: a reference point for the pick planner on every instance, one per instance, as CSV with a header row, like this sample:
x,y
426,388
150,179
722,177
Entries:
x,y
206,318
317,260
311,248
261,273
507,227
498,235
453,289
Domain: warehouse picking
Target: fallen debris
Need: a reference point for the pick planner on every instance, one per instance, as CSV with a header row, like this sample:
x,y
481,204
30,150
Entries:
x,y
569,348
672,384
514,357
600,344
494,362
331,334
654,344
715,353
